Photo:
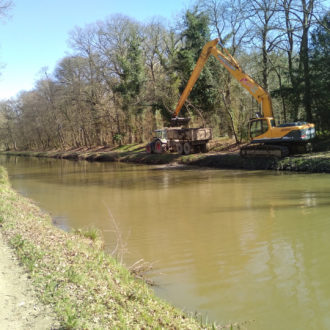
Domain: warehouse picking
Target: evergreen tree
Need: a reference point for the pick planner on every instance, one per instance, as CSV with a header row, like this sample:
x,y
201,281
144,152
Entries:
x,y
132,70
195,35
132,78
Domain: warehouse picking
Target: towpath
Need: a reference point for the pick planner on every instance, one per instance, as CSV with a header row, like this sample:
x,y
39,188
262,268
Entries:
x,y
19,308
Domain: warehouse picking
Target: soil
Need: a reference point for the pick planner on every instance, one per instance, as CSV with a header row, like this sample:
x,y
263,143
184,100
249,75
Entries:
x,y
19,307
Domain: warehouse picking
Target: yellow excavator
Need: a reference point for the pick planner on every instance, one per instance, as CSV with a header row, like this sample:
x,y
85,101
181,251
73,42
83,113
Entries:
x,y
266,139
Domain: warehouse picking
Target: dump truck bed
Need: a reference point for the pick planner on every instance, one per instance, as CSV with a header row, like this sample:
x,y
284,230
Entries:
x,y
189,134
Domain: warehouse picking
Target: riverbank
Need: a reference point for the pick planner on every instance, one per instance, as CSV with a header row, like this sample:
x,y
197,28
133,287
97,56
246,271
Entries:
x,y
222,157
70,272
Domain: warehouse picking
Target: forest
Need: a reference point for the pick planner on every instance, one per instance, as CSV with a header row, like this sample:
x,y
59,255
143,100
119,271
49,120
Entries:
x,y
123,77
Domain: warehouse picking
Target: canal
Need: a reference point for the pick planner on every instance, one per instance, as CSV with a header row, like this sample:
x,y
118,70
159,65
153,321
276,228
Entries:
x,y
234,246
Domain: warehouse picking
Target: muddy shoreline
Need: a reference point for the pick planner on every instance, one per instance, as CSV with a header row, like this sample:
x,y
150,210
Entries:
x,y
318,162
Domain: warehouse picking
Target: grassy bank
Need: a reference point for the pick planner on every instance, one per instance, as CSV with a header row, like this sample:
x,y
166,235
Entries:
x,y
130,153
309,163
86,287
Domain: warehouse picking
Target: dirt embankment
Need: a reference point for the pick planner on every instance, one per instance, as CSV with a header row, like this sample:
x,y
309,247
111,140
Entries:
x,y
19,308
224,156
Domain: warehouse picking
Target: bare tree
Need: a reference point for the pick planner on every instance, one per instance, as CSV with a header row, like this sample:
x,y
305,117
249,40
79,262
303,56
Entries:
x,y
299,17
5,6
306,20
264,18
228,21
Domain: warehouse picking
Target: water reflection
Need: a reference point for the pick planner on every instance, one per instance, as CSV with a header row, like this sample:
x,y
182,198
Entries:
x,y
234,245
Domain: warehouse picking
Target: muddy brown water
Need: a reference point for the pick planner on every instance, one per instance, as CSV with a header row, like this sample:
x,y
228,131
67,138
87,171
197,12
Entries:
x,y
241,246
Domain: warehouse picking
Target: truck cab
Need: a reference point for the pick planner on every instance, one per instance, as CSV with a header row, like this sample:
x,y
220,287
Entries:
x,y
161,134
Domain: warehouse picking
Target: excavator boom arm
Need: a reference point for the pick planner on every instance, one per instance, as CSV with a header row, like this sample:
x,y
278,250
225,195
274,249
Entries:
x,y
234,69
260,95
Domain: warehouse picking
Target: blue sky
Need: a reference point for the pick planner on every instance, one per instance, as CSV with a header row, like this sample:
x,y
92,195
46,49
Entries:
x,y
36,33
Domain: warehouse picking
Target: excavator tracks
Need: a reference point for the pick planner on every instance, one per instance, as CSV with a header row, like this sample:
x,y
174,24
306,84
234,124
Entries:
x,y
264,150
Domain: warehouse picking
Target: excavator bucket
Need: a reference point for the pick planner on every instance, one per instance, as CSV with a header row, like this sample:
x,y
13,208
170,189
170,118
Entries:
x,y
179,121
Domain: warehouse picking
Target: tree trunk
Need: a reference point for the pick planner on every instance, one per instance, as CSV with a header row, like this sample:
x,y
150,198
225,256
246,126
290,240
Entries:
x,y
304,58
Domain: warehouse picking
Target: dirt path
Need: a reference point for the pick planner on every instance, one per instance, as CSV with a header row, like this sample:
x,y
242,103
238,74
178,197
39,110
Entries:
x,y
19,308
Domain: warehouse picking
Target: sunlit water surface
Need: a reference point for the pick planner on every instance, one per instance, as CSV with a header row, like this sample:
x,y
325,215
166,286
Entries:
x,y
241,246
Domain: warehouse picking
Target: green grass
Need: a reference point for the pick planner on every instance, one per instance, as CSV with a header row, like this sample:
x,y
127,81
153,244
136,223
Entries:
x,y
71,272
130,147
90,232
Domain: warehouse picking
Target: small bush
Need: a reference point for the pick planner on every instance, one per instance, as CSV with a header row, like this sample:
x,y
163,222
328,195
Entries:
x,y
90,232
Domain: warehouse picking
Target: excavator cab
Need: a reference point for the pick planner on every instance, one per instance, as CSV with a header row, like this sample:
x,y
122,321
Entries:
x,y
259,126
